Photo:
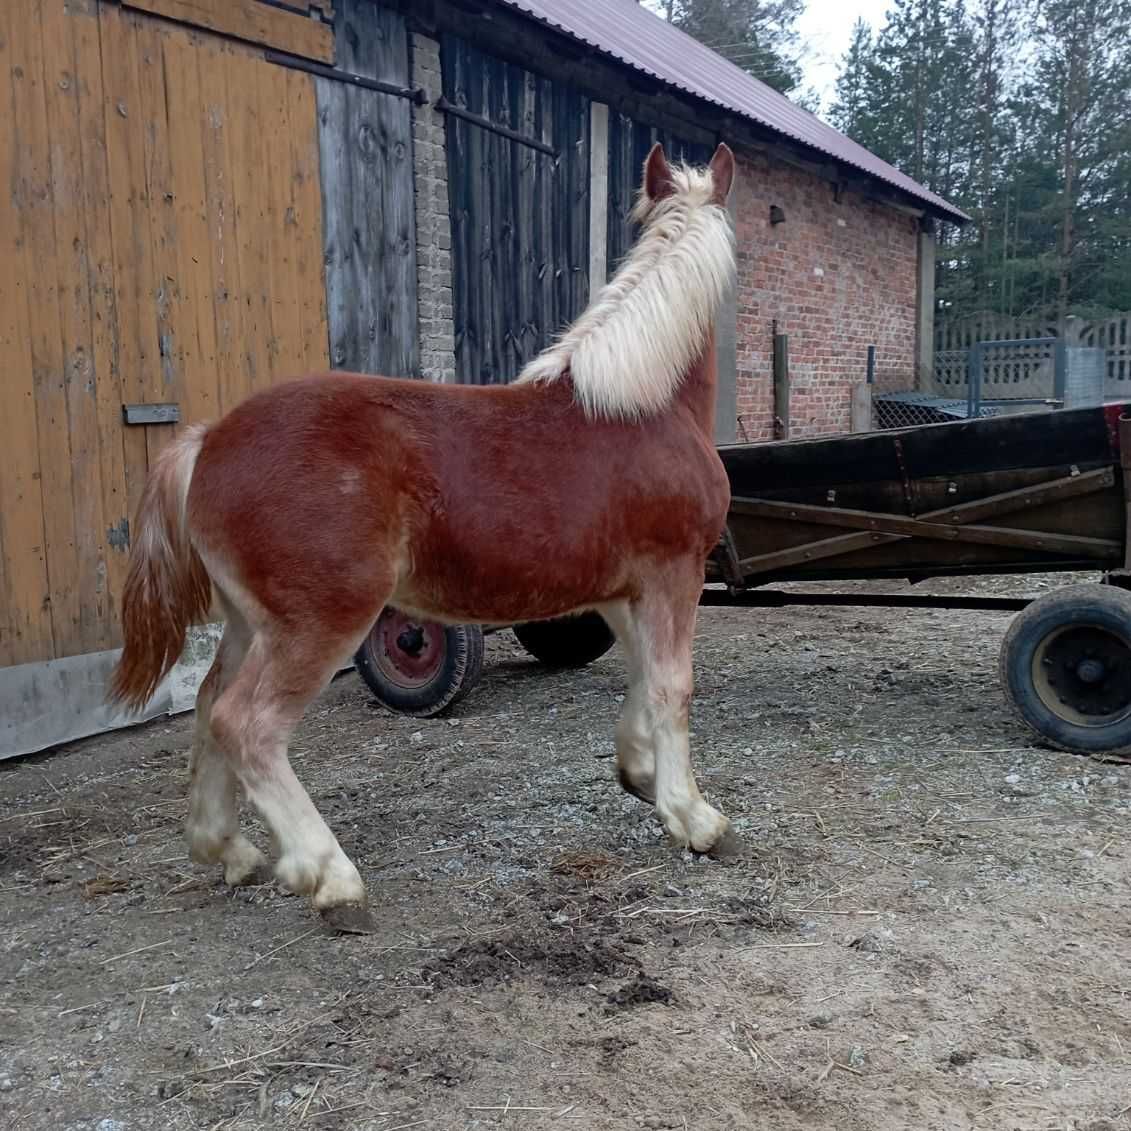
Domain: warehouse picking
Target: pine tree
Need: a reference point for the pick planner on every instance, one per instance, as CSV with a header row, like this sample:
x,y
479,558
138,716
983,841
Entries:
x,y
760,36
852,108
1019,113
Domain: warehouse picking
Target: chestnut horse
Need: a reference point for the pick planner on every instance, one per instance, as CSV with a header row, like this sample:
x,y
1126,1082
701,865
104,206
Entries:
x,y
591,483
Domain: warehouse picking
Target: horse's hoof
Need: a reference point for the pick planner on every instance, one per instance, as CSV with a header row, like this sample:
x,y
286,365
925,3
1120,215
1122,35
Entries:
x,y
349,919
730,844
629,786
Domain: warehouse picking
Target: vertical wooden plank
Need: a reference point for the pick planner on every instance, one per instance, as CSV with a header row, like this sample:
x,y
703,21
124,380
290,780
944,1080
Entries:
x,y
544,219
40,266
194,294
368,190
61,85
334,168
394,251
310,273
132,251
860,408
577,201
223,241
176,326
102,284
598,196
485,207
25,611
286,312
524,268
246,154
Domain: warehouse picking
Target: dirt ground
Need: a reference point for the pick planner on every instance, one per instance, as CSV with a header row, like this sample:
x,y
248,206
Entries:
x,y
930,927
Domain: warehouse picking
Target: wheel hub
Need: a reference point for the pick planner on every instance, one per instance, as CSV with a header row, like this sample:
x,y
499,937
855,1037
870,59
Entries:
x,y
411,641
409,653
1085,672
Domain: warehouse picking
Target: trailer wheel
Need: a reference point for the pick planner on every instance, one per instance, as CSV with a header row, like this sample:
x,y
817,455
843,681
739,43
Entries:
x,y
1065,665
566,642
419,667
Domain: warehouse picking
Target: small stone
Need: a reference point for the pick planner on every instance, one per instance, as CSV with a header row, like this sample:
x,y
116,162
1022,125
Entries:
x,y
257,1003
857,1057
131,840
1012,779
869,943
6,1084
820,1021
417,737
109,1125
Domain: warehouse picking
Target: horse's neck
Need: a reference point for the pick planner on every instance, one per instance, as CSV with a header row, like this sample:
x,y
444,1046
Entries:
x,y
697,390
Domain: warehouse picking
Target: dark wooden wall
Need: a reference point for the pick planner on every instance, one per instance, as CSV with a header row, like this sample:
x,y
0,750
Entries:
x,y
629,142
520,216
365,138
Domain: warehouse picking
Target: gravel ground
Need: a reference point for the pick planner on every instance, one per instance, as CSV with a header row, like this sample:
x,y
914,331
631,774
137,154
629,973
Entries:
x,y
929,927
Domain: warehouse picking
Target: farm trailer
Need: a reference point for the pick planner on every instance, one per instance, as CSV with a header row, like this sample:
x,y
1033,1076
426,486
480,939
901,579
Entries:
x,y
1036,492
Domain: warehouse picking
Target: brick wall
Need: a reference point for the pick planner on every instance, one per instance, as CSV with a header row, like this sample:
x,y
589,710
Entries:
x,y
433,224
838,278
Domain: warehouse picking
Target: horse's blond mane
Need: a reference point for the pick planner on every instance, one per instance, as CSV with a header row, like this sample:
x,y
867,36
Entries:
x,y
631,347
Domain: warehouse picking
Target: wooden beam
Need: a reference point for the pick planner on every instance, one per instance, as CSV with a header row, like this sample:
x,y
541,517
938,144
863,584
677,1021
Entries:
x,y
937,531
251,21
726,355
598,196
925,310
1005,503
781,385
860,410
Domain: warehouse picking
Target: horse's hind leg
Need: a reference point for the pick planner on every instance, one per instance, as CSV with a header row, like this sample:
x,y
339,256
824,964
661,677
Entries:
x,y
253,720
212,829
661,622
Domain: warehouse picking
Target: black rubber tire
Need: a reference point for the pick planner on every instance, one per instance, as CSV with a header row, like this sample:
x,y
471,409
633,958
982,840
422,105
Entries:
x,y
566,642
1102,610
456,668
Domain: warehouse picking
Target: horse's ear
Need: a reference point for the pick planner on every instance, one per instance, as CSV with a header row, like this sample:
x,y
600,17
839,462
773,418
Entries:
x,y
722,172
657,174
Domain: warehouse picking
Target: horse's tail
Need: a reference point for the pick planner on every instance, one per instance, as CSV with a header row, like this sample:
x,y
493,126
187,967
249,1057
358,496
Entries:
x,y
167,587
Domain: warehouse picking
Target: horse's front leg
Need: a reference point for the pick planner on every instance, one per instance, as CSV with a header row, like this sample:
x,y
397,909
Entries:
x,y
659,629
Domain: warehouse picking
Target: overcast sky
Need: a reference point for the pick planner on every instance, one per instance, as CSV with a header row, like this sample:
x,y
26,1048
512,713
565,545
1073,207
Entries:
x,y
826,29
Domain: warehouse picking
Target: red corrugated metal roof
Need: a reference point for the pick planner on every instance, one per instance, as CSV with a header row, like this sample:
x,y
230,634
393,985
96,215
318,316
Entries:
x,y
629,33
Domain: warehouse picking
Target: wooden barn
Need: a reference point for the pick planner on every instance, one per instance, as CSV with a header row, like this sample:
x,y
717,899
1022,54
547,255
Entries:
x,y
206,196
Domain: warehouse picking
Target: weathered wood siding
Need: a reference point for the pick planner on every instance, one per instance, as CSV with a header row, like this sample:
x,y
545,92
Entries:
x,y
160,236
367,190
629,142
520,216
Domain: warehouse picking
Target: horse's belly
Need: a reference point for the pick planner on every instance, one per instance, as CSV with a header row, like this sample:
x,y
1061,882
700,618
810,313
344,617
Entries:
x,y
491,578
